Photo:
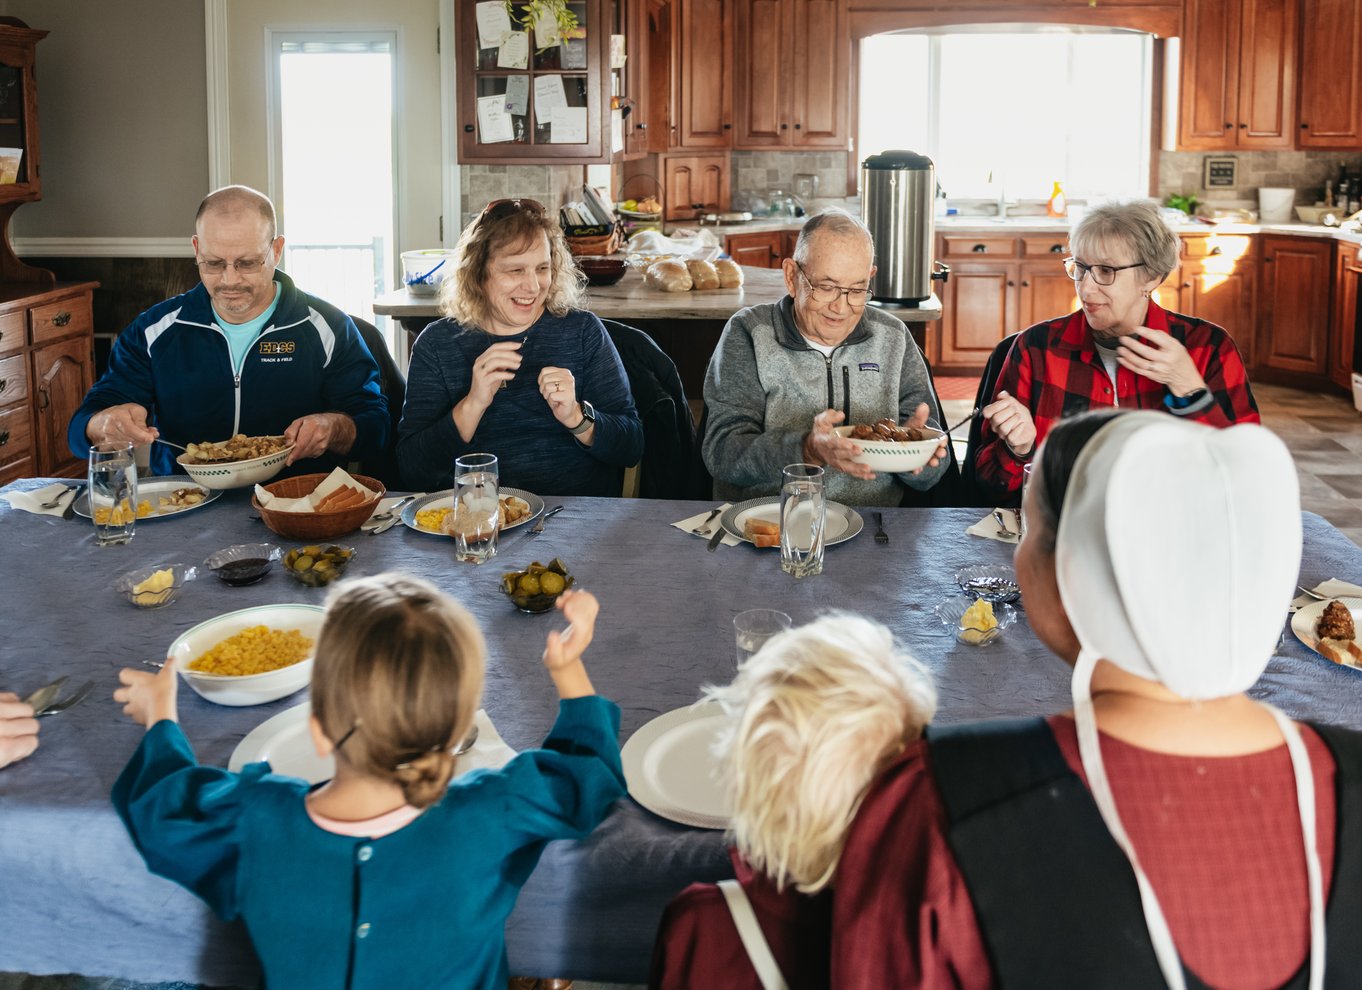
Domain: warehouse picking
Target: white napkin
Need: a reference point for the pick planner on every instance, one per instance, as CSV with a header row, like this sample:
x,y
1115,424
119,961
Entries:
x,y
1332,588
490,752
308,503
987,527
383,506
33,501
691,523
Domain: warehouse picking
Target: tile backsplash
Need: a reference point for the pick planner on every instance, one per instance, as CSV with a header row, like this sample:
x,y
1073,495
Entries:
x,y
758,172
1180,172
552,185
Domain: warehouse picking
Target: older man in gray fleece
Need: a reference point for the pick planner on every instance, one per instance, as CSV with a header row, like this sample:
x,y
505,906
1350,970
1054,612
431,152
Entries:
x,y
784,373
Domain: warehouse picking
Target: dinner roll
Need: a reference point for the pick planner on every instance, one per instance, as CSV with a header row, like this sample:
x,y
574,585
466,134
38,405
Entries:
x,y
667,276
702,273
730,273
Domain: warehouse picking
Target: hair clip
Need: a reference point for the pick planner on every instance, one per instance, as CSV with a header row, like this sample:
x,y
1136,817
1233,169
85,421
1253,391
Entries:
x,y
351,732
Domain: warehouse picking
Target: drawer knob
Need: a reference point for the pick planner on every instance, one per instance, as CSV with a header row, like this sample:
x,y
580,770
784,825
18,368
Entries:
x,y
4,437
3,383
61,319
1217,250
1056,248
979,248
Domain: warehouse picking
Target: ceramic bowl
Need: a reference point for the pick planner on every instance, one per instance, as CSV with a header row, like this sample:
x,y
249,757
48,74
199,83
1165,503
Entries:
x,y
891,457
602,271
249,689
235,474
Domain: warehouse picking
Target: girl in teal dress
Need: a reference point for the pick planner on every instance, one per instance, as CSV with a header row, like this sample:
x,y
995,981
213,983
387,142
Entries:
x,y
388,875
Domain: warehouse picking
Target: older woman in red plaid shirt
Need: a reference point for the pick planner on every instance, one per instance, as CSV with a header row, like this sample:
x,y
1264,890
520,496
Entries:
x,y
1119,349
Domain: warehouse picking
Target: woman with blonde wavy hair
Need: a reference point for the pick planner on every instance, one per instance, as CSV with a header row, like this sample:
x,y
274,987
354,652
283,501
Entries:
x,y
387,875
813,717
516,369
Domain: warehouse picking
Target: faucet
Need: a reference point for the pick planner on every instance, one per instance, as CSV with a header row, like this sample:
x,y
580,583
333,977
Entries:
x,y
1000,180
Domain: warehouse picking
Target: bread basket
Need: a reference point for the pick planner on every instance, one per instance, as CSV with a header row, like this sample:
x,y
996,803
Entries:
x,y
316,525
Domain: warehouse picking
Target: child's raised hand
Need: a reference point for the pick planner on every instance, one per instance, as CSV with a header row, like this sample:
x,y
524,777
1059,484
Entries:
x,y
148,698
563,651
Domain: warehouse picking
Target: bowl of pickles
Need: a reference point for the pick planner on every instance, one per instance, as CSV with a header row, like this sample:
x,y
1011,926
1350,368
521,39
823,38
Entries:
x,y
536,588
318,564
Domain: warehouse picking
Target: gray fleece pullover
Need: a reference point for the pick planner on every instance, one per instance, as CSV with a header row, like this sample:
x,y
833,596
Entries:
x,y
765,384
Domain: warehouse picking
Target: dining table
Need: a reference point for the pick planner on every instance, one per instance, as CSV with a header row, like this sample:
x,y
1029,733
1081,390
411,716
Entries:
x,y
77,897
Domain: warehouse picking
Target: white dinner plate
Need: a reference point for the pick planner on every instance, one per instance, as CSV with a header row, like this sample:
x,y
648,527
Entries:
x,y
286,744
670,769
1305,619
151,490
841,524
445,500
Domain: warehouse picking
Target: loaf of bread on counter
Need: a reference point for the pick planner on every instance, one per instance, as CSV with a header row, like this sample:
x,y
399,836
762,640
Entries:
x,y
703,275
730,273
667,276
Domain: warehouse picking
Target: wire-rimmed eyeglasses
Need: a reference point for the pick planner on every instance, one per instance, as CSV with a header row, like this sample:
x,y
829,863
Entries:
x,y
242,266
1101,274
826,293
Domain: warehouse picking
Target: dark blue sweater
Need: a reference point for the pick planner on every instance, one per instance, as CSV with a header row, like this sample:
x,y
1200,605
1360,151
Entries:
x,y
536,452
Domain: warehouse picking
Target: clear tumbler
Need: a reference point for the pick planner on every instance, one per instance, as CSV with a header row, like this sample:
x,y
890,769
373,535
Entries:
x,y
802,515
476,518
113,492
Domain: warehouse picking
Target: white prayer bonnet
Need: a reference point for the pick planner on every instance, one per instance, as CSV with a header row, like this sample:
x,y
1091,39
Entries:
x,y
1176,557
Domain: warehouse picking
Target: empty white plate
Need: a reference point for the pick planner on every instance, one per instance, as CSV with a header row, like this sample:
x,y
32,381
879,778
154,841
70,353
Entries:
x,y
670,768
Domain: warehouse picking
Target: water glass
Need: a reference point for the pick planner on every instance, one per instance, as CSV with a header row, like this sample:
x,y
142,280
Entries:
x,y
754,627
802,516
113,492
476,518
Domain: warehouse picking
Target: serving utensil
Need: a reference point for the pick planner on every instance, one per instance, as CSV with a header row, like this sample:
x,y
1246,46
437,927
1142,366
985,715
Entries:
x,y
881,536
169,444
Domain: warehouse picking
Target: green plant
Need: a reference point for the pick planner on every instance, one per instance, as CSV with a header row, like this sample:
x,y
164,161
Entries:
x,y
1187,204
532,11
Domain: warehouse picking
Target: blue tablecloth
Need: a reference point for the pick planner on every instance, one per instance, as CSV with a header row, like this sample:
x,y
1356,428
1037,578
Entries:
x,y
77,898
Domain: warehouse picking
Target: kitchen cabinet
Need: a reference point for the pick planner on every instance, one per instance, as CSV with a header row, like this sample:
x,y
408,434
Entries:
x,y
1217,280
580,64
1238,74
694,184
631,85
1331,75
791,74
702,74
1293,306
1343,324
761,250
979,308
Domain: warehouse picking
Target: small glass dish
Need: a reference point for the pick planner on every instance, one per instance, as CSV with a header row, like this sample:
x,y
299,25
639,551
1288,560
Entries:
x,y
318,564
951,612
243,564
154,587
996,583
526,588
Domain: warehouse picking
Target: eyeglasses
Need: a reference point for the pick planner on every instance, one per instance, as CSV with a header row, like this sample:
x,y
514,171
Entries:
x,y
500,209
856,298
242,266
1101,274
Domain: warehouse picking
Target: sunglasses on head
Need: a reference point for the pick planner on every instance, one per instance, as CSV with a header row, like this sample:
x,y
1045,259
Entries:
x,y
499,209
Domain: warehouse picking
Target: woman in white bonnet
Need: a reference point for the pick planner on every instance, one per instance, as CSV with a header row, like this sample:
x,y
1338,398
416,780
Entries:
x,y
1170,830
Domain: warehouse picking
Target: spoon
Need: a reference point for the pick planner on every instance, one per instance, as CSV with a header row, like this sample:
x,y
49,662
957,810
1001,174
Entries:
x,y
468,742
1003,532
53,502
388,513
169,444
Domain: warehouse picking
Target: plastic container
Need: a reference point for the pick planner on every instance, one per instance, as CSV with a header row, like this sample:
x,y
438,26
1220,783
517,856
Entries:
x,y
1274,204
423,271
1059,204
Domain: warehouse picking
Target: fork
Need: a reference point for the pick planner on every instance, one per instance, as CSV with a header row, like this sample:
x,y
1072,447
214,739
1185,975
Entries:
x,y
75,698
703,528
1313,594
881,536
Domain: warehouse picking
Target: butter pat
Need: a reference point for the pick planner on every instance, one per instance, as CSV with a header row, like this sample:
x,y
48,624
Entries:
x,y
149,591
978,622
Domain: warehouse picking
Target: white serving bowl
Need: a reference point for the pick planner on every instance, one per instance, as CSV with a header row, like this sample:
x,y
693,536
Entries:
x,y
885,455
250,689
235,474
1314,214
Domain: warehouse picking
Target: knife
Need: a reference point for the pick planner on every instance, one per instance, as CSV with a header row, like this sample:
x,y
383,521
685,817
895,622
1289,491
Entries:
x,y
44,696
394,514
536,529
717,538
70,510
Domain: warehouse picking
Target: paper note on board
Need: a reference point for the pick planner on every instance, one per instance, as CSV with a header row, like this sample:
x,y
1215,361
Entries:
x,y
494,24
548,94
514,52
568,125
518,95
617,56
545,30
616,131
9,165
494,123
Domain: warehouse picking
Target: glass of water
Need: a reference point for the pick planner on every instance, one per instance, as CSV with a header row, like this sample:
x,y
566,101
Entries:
x,y
754,627
802,516
476,518
113,492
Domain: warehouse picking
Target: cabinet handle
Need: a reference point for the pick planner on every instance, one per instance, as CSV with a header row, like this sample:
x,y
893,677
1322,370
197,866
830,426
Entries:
x,y
1026,284
61,319
784,127
1186,285
4,437
1305,127
44,400
728,127
1243,127
1229,126
799,127
1010,283
3,383
641,127
979,248
468,128
1056,248
1217,250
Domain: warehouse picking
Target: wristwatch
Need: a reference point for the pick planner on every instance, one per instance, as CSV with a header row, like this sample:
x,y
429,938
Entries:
x,y
588,419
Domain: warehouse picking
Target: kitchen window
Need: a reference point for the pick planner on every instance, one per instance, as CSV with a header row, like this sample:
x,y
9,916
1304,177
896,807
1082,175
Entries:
x,y
1005,114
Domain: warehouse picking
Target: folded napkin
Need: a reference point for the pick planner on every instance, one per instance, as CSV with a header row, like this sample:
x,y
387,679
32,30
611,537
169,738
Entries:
x,y
383,506
1332,588
693,522
308,503
33,501
490,752
987,527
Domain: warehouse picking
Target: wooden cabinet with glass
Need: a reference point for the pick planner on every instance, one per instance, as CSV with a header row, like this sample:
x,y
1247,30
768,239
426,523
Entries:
x,y
533,93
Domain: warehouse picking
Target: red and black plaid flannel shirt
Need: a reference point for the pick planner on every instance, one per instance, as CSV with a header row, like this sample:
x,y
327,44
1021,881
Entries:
x,y
1054,370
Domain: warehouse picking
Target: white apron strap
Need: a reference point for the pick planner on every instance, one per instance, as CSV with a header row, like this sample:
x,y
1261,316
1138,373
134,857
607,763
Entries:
x,y
753,941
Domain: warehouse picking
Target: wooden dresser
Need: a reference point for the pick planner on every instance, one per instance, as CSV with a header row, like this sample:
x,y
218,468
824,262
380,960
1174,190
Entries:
x,y
46,367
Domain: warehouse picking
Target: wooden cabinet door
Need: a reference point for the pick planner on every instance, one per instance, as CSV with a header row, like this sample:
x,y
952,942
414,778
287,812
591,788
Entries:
x,y
817,75
1293,305
703,75
1343,324
711,190
787,247
1208,101
1223,293
1170,293
978,310
1267,74
1046,292
694,184
637,78
756,250
1331,75
62,373
760,38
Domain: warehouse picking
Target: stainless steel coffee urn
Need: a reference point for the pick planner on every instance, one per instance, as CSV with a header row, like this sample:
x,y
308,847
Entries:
x,y
898,201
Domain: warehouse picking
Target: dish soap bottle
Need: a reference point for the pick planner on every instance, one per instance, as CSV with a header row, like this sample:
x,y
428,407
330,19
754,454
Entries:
x,y
1058,205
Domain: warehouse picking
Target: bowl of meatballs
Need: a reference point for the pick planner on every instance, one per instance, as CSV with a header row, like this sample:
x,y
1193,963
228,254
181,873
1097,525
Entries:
x,y
886,446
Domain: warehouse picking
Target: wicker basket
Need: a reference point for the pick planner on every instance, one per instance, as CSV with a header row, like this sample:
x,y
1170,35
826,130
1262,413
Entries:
x,y
600,244
316,525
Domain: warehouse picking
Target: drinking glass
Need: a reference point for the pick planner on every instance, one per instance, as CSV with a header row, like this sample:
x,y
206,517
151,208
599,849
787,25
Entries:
x,y
113,492
475,521
754,627
802,515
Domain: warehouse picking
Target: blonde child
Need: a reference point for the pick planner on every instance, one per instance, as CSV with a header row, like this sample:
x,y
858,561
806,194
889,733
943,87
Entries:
x,y
388,875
